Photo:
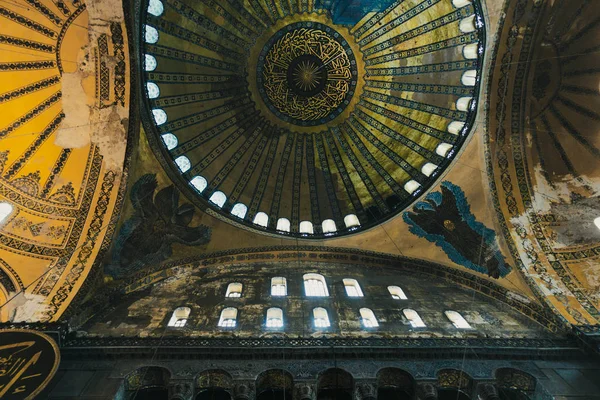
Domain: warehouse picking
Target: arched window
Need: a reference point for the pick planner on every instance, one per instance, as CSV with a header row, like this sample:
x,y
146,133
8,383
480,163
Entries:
x,y
283,224
261,219
428,169
413,317
169,140
443,149
457,319
228,317
329,226
160,116
155,7
218,198
455,127
278,286
183,163
306,227
179,317
274,318
352,288
461,3
153,90
149,62
411,186
471,51
397,293
368,318
5,210
320,318
469,78
351,220
464,103
597,222
199,183
150,34
467,25
234,290
315,285
239,210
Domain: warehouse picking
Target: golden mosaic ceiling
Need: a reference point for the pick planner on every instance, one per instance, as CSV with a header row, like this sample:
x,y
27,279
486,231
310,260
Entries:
x,y
288,118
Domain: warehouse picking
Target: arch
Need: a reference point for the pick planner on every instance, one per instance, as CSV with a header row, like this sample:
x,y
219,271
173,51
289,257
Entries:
x,y
199,183
179,317
443,149
352,288
463,104
234,290
160,116
274,318
457,320
368,318
150,63
306,227
278,286
514,384
170,140
315,285
283,224
471,51
351,220
461,3
261,219
274,384
214,384
155,7
455,127
467,25
147,383
411,186
469,78
597,222
428,169
239,210
228,318
453,384
150,34
183,163
413,317
394,384
153,90
335,383
5,210
397,293
218,198
321,318
328,226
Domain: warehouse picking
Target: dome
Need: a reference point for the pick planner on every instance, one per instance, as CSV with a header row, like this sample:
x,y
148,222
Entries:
x,y
307,113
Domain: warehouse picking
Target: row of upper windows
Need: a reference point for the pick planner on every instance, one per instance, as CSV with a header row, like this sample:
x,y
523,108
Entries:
x,y
274,318
314,286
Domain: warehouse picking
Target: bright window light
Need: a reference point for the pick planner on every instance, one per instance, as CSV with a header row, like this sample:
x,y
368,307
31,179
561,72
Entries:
x,y
274,318
199,183
455,127
397,293
283,224
413,318
428,169
218,198
234,290
329,226
351,220
239,210
160,116
170,140
228,317
149,62
368,318
150,34
411,186
183,163
179,317
597,222
153,90
261,219
352,288
320,318
457,319
278,286
155,7
5,210
306,227
315,286
443,149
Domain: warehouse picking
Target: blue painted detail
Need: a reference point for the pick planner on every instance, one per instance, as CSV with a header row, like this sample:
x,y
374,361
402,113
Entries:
x,y
349,12
491,254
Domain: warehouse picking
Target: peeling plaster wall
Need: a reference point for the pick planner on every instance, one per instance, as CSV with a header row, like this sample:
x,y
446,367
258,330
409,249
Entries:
x,y
146,313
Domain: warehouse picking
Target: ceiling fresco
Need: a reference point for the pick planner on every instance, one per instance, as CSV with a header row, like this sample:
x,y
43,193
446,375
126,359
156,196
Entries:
x,y
544,150
64,97
291,119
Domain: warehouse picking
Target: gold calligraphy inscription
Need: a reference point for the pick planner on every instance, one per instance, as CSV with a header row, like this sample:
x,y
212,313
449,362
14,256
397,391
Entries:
x,y
300,62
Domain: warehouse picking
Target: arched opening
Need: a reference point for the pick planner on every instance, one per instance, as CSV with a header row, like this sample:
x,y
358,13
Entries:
x,y
457,320
5,210
394,384
315,286
148,383
278,286
352,288
351,220
414,318
306,227
274,319
328,226
214,384
321,318
228,318
453,385
179,317
368,318
274,384
261,219
335,384
397,293
239,210
234,290
283,225
514,384
218,198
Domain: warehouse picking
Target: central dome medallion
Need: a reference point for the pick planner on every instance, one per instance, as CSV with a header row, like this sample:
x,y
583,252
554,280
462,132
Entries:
x,y
307,74
306,119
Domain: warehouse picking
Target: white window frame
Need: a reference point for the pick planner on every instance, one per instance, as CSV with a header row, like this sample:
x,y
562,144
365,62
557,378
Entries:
x,y
368,318
397,293
278,286
414,318
321,318
315,285
352,288
234,290
457,319
179,317
228,318
274,318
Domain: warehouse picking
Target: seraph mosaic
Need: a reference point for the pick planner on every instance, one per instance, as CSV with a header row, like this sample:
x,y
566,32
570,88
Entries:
x,y
158,221
445,218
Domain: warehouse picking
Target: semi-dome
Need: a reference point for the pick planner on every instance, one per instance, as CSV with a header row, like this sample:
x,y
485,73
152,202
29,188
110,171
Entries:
x,y
303,119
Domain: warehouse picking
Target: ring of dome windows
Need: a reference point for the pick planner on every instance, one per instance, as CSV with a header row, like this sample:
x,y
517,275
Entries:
x,y
315,285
